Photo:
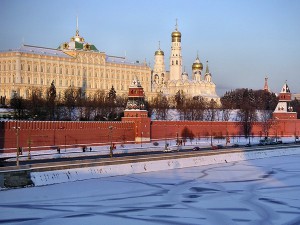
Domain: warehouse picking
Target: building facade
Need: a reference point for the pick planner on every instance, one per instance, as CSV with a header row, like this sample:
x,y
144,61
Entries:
x,y
74,64
80,64
170,82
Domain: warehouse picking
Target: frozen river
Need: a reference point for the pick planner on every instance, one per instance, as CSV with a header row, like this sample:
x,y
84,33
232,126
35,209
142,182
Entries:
x,y
262,191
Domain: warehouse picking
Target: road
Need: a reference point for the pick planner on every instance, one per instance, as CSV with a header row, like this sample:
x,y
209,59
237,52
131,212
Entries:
x,y
96,160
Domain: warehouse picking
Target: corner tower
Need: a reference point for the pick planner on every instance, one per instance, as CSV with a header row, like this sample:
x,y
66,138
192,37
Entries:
x,y
176,57
283,109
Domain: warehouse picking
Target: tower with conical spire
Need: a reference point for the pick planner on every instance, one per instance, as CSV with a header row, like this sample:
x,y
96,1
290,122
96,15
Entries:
x,y
283,109
207,77
176,57
266,86
136,112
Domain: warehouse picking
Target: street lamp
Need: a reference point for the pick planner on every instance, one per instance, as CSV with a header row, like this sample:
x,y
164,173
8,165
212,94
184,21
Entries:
x,y
29,144
17,135
142,139
110,137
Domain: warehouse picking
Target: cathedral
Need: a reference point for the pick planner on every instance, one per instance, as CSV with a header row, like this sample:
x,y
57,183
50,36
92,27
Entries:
x,y
170,82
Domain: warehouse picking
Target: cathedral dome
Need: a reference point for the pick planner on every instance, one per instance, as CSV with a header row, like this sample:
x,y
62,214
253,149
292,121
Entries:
x,y
197,65
159,52
176,33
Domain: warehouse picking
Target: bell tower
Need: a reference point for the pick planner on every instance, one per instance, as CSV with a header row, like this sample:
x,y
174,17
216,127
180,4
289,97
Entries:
x,y
136,112
176,57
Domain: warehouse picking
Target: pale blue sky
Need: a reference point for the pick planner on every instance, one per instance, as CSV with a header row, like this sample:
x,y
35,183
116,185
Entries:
x,y
244,40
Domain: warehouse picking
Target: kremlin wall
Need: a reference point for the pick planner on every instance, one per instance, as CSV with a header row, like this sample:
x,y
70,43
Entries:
x,y
47,135
135,127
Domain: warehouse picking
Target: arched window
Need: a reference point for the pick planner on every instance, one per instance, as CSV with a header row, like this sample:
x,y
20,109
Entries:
x,y
176,62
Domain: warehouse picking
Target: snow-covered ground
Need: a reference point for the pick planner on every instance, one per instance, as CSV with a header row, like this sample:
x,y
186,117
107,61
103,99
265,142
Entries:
x,y
260,191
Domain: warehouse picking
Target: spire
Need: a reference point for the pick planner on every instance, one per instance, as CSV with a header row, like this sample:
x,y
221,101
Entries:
x,y
176,25
197,54
266,86
77,30
207,69
159,45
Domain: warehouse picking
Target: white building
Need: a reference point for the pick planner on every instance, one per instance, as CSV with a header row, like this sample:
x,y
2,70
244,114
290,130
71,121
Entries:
x,y
170,82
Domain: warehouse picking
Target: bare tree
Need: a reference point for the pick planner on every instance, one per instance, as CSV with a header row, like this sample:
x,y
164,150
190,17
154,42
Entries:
x,y
247,113
267,122
160,106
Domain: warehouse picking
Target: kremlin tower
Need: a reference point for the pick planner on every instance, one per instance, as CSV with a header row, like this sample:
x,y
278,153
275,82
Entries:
x,y
136,112
283,109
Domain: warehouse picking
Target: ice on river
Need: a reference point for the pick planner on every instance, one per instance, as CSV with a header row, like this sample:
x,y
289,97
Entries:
x,y
260,191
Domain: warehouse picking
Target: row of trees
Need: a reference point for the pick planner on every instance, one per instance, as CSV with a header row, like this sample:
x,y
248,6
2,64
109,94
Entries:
x,y
72,105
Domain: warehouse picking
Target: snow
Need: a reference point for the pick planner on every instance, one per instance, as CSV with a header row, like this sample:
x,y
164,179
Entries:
x,y
260,191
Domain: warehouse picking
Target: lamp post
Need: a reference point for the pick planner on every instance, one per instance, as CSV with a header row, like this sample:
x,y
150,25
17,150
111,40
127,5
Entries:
x,y
110,137
29,144
17,144
142,139
211,142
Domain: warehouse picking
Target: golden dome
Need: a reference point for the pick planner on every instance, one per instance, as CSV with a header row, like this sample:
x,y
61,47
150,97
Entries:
x,y
197,65
159,52
176,34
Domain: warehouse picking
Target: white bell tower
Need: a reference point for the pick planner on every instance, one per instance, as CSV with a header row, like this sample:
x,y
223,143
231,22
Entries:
x,y
176,57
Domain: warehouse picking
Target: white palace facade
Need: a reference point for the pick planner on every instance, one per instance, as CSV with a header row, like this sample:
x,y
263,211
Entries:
x,y
78,63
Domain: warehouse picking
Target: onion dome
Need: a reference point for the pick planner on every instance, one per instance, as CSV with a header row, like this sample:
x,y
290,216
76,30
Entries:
x,y
159,51
197,65
176,35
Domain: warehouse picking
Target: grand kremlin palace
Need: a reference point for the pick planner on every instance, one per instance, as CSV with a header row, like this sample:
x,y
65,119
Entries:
x,y
78,63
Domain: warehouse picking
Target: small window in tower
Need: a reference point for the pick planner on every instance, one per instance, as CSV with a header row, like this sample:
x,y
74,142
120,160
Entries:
x,y
172,62
176,62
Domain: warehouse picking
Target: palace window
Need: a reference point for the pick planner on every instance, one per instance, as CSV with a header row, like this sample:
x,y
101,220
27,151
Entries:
x,y
42,81
42,69
28,80
28,67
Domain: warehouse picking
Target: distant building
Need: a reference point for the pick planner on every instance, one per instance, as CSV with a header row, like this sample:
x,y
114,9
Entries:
x,y
170,82
76,63
266,86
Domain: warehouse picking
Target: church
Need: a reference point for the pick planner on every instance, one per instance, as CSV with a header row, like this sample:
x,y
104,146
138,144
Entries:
x,y
170,82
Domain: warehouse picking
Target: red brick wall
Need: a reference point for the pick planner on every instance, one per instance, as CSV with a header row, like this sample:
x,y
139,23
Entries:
x,y
169,129
47,134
